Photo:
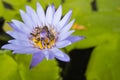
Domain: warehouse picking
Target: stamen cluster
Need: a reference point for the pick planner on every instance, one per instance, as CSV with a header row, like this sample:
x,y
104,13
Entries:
x,y
43,37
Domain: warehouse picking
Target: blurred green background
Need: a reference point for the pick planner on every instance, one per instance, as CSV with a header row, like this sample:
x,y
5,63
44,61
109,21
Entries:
x,y
97,20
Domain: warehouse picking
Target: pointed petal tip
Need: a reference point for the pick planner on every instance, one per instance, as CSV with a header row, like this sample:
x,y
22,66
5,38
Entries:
x,y
6,46
53,8
60,7
10,23
60,55
21,12
14,21
75,38
28,8
3,47
73,20
82,37
52,4
65,59
70,11
38,4
31,67
36,59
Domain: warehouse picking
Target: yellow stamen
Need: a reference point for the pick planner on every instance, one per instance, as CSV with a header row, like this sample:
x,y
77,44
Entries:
x,y
37,43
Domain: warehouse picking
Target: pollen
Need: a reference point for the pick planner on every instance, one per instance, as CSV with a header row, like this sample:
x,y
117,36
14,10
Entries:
x,y
43,38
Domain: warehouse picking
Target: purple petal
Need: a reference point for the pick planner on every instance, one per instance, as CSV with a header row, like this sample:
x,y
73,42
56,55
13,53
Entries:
x,y
36,59
67,27
17,35
27,20
51,56
75,38
21,43
64,20
41,14
13,26
53,8
33,16
49,15
63,36
62,44
48,54
57,16
11,47
60,55
26,50
21,26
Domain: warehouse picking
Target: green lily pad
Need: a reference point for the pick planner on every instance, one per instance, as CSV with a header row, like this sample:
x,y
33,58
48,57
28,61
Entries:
x,y
8,67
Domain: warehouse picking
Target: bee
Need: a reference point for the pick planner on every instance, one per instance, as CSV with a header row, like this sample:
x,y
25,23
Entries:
x,y
36,31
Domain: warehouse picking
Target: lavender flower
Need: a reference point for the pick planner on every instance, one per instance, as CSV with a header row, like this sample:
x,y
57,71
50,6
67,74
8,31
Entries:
x,y
42,34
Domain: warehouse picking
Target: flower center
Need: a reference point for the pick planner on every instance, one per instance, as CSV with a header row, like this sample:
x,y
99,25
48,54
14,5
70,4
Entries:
x,y
43,37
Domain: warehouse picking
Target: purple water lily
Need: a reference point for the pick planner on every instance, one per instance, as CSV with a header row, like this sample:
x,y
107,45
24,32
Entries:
x,y
41,34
